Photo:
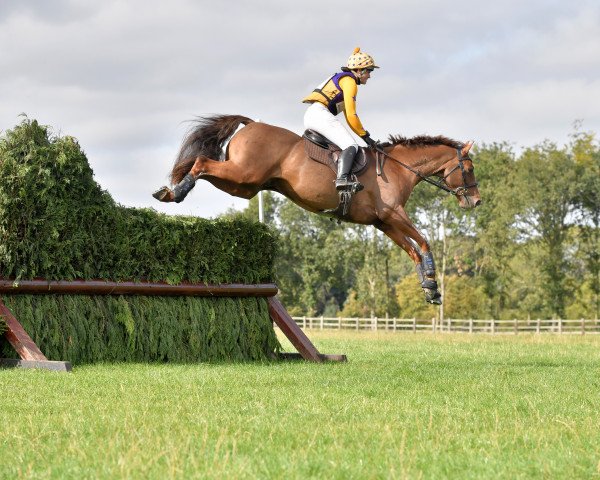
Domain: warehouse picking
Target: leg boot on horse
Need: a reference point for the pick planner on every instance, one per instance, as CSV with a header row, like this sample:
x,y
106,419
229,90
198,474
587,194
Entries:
x,y
426,274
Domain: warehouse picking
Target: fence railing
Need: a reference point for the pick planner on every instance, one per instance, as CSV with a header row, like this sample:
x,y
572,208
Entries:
x,y
515,326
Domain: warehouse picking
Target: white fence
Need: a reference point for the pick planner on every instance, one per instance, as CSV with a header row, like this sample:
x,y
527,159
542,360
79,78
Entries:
x,y
515,326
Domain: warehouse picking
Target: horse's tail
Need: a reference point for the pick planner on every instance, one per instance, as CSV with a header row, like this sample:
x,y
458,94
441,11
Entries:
x,y
205,138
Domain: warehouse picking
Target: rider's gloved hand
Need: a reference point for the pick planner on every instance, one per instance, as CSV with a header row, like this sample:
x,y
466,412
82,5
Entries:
x,y
369,141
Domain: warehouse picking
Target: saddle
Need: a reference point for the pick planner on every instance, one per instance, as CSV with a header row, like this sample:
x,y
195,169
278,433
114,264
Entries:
x,y
322,150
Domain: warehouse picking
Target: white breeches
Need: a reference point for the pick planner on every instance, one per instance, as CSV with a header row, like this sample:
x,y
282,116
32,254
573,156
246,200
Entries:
x,y
318,118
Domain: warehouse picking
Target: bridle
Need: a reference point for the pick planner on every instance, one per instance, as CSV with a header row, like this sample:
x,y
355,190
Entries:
x,y
462,190
442,184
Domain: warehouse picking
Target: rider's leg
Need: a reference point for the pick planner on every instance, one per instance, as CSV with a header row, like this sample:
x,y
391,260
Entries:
x,y
318,118
344,166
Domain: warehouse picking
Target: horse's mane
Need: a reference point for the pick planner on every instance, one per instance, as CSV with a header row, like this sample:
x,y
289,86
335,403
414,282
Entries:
x,y
423,141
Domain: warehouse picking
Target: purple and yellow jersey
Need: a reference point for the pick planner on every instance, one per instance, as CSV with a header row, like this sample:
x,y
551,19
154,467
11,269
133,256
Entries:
x,y
338,94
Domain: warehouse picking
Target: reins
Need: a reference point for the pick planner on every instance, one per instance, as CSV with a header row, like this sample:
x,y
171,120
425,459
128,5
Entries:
x,y
444,186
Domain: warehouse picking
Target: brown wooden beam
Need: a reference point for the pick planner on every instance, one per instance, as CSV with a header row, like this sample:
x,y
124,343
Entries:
x,y
18,338
102,287
295,335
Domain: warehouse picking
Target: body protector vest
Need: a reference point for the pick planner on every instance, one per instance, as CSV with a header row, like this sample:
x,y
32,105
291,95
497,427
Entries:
x,y
330,94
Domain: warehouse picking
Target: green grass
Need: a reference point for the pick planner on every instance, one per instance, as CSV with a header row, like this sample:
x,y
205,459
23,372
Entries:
x,y
405,406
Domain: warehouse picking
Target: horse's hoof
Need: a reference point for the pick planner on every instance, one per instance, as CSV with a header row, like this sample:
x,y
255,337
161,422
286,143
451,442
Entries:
x,y
164,194
432,296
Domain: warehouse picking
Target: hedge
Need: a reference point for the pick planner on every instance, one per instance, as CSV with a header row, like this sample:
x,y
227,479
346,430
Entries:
x,y
57,223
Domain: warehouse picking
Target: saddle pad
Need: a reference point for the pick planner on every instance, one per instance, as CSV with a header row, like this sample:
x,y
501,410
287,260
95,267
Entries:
x,y
329,157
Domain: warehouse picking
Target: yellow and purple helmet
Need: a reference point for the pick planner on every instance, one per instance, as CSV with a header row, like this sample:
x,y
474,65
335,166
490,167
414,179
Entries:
x,y
359,60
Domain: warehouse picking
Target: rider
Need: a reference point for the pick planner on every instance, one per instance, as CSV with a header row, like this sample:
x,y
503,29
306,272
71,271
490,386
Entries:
x,y
334,95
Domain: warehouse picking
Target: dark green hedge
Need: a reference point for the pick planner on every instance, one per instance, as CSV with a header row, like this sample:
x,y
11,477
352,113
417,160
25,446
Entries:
x,y
84,329
57,223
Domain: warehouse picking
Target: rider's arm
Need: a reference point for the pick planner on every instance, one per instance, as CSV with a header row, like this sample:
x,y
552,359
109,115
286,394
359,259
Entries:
x,y
349,87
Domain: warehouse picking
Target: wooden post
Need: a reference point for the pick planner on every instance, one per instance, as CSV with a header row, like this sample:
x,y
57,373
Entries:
x,y
560,325
470,325
414,325
537,326
321,324
583,326
374,324
339,323
394,326
493,326
304,322
516,323
31,355
295,335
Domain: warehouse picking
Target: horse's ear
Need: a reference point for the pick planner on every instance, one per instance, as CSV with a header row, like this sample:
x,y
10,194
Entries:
x,y
466,148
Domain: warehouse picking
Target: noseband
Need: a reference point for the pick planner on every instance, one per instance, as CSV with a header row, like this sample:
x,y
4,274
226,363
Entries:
x,y
443,184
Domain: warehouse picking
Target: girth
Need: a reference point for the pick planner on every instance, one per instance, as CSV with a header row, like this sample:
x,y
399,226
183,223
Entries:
x,y
321,150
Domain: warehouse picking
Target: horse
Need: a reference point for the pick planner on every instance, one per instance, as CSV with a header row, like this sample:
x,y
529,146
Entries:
x,y
260,156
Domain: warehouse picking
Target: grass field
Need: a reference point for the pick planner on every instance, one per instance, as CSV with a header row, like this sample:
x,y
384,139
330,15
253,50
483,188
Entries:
x,y
405,406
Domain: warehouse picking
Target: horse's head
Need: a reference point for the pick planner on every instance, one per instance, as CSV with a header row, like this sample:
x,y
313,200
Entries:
x,y
459,177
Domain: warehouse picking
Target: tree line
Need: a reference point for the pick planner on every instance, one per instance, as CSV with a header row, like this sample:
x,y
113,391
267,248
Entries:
x,y
531,250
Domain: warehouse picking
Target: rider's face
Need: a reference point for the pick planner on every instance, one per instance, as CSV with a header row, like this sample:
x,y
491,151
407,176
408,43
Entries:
x,y
363,75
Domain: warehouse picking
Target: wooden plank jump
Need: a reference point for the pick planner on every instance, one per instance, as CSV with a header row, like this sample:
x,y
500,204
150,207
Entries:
x,y
32,357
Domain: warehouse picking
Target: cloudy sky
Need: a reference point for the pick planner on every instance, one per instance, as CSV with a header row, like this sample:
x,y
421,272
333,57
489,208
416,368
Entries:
x,y
125,77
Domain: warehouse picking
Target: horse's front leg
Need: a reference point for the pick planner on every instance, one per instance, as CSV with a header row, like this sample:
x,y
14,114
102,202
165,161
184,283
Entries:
x,y
426,273
404,234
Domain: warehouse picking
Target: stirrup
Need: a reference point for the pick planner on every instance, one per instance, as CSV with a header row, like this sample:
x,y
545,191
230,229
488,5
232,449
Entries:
x,y
342,183
347,184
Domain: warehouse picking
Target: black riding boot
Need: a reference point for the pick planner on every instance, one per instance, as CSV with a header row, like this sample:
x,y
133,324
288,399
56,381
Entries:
x,y
344,166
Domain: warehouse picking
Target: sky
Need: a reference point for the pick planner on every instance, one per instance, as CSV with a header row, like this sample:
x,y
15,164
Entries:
x,y
126,77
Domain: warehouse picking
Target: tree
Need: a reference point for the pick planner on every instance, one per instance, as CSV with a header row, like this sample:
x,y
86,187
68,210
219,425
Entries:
x,y
546,186
373,288
318,261
586,155
494,233
410,299
446,225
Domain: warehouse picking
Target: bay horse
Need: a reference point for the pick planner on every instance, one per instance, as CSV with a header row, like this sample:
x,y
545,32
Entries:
x,y
265,157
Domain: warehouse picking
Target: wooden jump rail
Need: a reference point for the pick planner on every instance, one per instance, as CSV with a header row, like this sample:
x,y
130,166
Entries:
x,y
32,357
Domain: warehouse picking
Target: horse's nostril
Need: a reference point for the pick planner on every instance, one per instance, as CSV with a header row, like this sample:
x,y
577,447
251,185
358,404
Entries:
x,y
477,203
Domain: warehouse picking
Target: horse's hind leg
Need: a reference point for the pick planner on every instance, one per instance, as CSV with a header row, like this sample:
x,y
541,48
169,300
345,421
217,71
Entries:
x,y
404,234
179,192
227,176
